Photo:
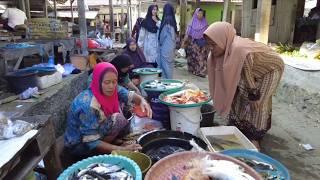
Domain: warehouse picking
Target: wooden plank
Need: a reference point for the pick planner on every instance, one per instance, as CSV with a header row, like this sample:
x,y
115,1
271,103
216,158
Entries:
x,y
17,65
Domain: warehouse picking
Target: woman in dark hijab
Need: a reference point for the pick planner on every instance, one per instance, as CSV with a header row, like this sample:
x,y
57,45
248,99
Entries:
x,y
123,64
167,41
136,29
148,36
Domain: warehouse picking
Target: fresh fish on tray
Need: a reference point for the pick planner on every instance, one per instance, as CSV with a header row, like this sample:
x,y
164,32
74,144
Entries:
x,y
101,171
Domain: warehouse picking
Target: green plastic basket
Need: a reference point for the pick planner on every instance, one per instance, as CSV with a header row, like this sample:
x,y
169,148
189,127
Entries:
x,y
147,71
121,161
180,105
162,89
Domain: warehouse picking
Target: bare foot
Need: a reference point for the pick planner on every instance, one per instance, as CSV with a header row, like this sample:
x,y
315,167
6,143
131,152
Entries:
x,y
256,144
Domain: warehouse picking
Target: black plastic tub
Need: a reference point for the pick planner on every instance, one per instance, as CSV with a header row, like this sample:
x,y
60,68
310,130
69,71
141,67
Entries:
x,y
21,80
161,143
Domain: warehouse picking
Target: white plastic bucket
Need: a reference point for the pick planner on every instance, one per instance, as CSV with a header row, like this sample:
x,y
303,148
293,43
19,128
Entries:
x,y
185,119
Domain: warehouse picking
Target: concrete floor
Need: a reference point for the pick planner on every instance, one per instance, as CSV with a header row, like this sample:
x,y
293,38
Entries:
x,y
290,128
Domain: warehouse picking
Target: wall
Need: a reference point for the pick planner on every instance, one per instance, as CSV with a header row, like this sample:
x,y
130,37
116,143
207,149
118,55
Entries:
x,y
282,20
213,11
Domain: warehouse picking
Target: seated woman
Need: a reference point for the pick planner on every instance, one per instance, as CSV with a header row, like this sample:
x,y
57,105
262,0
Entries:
x,y
123,64
95,119
138,59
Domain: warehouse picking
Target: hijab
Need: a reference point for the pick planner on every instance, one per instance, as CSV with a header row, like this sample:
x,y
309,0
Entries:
x,y
109,104
119,62
148,23
224,72
138,27
197,27
137,57
168,17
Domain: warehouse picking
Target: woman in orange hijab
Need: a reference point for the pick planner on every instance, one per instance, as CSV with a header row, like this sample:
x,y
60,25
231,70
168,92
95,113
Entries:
x,y
243,76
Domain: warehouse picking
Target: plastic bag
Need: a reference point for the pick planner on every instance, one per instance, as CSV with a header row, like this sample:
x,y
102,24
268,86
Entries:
x,y
141,125
182,52
10,129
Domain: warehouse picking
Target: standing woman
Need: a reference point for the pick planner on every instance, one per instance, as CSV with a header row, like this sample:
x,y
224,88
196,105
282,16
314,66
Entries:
x,y
148,35
243,76
167,41
195,44
136,29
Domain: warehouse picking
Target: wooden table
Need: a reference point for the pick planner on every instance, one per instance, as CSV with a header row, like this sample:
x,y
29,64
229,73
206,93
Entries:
x,y
10,54
41,146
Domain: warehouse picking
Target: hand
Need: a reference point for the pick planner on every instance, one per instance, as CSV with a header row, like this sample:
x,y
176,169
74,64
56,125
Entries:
x,y
155,18
145,107
131,147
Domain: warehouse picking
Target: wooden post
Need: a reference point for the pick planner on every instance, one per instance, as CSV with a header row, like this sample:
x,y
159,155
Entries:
x,y
55,8
129,16
45,9
83,27
197,3
183,17
111,19
139,9
263,21
71,6
22,6
226,5
28,9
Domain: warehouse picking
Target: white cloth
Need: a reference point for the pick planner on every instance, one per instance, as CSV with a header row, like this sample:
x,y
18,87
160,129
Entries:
x,y
10,147
15,17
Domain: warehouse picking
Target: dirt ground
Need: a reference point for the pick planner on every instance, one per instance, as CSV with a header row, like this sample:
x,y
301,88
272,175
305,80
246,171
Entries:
x,y
290,129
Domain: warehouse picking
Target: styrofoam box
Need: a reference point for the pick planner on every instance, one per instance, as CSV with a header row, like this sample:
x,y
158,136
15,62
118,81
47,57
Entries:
x,y
225,130
49,80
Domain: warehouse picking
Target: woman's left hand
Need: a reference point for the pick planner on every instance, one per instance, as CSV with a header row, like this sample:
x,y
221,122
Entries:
x,y
145,107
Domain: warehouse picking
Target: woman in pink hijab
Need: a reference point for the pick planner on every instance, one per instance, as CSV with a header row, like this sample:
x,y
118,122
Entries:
x,y
95,119
243,76
195,44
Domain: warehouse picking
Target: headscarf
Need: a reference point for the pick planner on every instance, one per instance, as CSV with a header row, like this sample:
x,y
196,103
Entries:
x,y
148,23
137,26
109,104
168,17
224,72
137,57
197,27
119,62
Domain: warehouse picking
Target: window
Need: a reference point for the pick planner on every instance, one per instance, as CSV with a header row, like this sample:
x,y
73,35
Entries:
x,y
255,3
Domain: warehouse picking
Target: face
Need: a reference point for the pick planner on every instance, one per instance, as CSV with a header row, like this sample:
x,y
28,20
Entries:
x,y
200,15
214,48
154,11
109,83
133,46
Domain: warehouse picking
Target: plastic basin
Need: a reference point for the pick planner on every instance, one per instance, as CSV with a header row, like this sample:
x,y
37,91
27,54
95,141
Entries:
x,y
121,161
143,161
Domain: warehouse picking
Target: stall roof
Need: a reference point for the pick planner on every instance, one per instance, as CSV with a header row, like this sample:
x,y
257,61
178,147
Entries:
x,y
89,14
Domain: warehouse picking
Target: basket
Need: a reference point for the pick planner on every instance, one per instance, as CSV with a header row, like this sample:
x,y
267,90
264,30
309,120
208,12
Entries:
x,y
124,162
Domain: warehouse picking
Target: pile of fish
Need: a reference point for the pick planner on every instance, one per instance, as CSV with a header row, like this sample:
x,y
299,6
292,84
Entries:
x,y
267,171
207,169
162,85
101,171
188,96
